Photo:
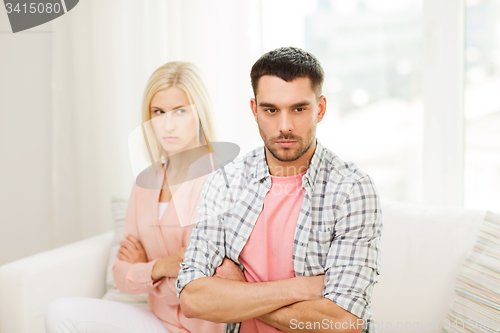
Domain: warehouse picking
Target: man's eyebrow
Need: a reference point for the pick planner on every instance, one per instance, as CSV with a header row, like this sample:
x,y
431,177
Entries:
x,y
267,105
295,105
299,104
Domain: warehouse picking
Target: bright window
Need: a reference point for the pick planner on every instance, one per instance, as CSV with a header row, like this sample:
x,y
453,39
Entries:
x,y
482,104
371,54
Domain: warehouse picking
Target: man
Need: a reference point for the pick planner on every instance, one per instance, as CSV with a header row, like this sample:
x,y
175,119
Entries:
x,y
304,225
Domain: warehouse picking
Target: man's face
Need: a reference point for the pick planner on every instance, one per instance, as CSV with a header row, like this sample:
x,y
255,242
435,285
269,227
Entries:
x,y
287,114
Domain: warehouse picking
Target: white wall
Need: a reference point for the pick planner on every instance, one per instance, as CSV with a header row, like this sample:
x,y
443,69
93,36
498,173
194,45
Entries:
x,y
25,149
87,79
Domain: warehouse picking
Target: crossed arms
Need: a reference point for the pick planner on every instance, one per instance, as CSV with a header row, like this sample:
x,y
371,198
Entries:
x,y
227,297
342,295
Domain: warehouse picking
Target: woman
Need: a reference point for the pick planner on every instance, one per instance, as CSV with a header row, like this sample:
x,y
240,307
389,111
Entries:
x,y
162,209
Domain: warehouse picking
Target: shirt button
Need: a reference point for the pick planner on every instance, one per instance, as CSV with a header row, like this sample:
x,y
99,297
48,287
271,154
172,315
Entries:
x,y
241,239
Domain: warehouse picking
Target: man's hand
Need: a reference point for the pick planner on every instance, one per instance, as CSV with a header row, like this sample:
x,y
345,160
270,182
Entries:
x,y
313,286
312,289
230,271
131,250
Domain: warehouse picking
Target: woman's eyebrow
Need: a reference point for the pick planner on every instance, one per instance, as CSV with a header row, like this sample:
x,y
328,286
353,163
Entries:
x,y
159,108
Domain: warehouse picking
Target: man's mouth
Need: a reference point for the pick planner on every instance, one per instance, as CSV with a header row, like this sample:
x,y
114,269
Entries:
x,y
286,143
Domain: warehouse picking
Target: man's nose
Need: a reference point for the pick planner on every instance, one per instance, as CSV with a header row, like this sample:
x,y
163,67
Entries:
x,y
285,122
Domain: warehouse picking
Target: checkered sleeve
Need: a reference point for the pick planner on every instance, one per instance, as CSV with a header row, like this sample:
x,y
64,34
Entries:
x,y
353,261
205,250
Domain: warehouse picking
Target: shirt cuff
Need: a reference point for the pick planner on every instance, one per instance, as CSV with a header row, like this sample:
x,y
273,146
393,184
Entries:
x,y
352,304
186,276
142,274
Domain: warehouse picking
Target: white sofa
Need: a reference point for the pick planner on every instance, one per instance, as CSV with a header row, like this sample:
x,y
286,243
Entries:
x,y
422,249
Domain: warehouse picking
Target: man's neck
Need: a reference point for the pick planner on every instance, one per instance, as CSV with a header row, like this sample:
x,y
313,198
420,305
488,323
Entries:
x,y
286,169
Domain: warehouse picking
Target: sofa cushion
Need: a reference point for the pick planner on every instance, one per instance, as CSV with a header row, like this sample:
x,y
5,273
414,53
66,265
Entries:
x,y
119,212
476,303
422,250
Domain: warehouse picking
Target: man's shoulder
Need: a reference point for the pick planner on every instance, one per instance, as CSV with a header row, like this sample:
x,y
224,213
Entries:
x,y
338,170
241,169
244,163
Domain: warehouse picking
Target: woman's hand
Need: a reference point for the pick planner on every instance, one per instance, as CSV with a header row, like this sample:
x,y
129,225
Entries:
x,y
168,266
174,264
230,271
131,250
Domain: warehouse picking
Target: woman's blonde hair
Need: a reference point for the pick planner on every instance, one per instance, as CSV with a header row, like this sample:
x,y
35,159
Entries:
x,y
187,77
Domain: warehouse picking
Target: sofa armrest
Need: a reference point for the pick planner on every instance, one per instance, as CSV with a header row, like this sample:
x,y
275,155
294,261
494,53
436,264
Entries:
x,y
29,285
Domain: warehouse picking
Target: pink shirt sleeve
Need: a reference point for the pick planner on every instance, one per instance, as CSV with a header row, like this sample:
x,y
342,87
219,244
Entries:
x,y
135,278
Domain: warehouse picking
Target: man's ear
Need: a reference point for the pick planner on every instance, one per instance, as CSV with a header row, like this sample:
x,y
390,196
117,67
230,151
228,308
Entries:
x,y
321,107
253,106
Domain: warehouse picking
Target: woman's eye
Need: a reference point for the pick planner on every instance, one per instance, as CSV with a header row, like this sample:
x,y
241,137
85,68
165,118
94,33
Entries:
x,y
158,112
180,111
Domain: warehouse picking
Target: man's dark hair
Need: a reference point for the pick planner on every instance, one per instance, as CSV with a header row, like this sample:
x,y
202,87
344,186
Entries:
x,y
288,63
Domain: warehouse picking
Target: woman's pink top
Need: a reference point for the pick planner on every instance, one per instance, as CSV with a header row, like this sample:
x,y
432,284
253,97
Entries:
x,y
161,239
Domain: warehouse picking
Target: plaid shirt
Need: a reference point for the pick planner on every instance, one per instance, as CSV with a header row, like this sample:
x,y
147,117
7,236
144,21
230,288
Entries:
x,y
337,233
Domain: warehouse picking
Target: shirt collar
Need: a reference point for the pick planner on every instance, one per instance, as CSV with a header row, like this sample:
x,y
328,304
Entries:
x,y
262,169
315,166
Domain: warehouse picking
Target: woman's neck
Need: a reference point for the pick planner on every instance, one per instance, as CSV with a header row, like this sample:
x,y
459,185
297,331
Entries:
x,y
179,163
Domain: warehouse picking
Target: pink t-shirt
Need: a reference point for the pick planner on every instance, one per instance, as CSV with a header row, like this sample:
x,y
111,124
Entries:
x,y
268,253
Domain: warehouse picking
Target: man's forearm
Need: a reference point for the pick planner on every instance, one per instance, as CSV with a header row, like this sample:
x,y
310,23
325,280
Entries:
x,y
313,316
227,301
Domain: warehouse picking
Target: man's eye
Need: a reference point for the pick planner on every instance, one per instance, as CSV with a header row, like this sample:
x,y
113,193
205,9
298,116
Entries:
x,y
271,110
300,109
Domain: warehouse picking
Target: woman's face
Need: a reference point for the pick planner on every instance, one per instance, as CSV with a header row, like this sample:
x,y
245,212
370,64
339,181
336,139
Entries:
x,y
174,121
